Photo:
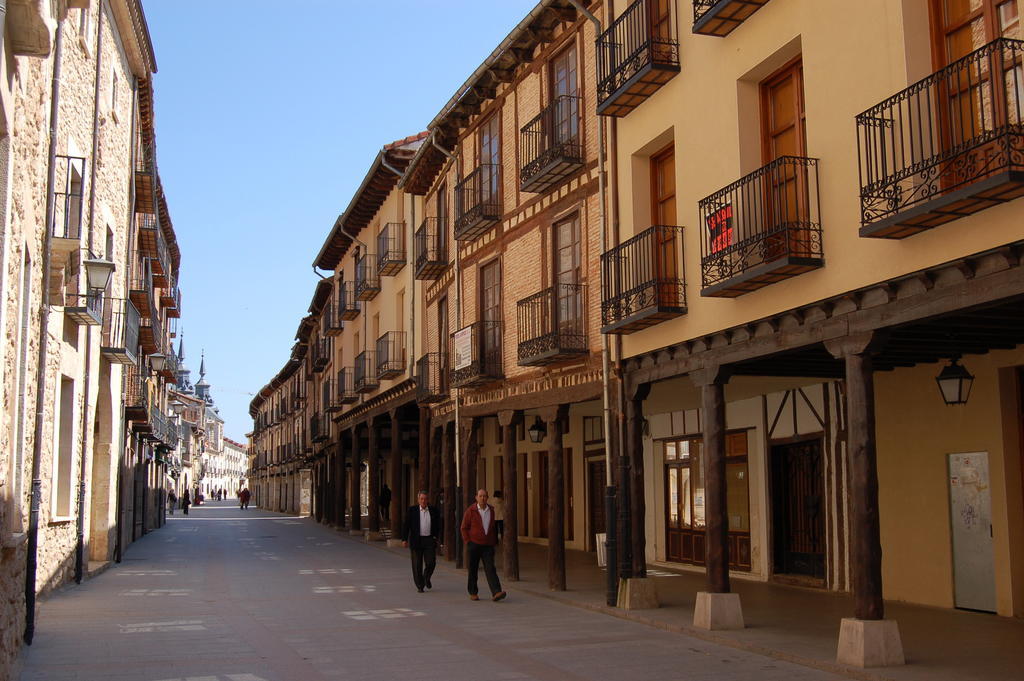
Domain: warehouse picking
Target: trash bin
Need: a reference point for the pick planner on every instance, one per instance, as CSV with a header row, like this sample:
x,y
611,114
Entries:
x,y
602,556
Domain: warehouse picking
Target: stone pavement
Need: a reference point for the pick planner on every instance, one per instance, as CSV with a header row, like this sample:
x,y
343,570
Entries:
x,y
231,595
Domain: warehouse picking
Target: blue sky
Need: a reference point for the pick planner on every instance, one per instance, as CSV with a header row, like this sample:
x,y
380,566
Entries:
x,y
268,115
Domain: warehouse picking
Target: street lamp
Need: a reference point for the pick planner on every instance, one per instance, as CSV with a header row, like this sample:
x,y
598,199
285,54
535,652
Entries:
x,y
98,273
537,431
955,382
158,362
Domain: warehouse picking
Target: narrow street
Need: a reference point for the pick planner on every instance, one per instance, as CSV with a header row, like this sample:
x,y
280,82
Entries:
x,y
231,595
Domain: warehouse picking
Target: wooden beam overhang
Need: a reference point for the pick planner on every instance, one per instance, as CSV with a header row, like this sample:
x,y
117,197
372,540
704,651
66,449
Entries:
x,y
965,310
393,398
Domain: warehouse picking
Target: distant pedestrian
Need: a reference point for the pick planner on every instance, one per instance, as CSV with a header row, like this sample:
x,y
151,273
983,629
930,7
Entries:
x,y
384,502
186,501
498,502
480,532
422,533
172,500
243,498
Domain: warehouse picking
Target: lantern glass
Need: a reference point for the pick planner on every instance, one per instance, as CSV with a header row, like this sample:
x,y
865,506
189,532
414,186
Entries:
x,y
537,431
98,273
955,383
158,361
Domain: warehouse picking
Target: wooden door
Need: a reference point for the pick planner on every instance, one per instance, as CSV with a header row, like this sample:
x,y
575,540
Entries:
x,y
784,133
663,212
568,301
596,483
563,86
798,513
659,15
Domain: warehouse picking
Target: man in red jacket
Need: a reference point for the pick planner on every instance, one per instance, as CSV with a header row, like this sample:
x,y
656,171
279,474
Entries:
x,y
480,532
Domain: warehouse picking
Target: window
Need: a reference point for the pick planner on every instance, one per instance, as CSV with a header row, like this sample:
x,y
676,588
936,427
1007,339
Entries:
x,y
962,26
64,452
663,212
490,159
593,429
442,341
568,273
490,312
563,85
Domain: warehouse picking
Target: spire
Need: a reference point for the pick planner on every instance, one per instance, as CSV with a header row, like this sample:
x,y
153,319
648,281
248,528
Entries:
x,y
202,365
181,348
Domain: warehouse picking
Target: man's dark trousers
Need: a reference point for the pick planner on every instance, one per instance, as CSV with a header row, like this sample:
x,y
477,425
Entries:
x,y
424,560
476,554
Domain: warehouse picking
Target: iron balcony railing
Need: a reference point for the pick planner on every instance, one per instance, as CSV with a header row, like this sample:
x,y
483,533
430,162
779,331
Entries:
x,y
763,228
170,300
329,397
642,280
140,286
346,386
476,354
552,325
322,353
636,55
66,220
390,355
136,395
364,376
721,17
432,378
119,339
334,324
391,249
367,278
431,249
319,427
85,309
348,305
551,146
152,245
947,146
478,202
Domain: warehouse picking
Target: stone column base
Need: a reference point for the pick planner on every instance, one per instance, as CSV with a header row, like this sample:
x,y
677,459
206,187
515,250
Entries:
x,y
356,533
374,536
870,643
393,543
718,611
637,593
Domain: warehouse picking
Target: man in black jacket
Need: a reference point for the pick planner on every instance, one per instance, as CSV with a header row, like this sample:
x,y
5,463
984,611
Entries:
x,y
421,533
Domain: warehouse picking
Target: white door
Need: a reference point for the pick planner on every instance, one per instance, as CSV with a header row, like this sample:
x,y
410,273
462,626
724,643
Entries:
x,y
970,505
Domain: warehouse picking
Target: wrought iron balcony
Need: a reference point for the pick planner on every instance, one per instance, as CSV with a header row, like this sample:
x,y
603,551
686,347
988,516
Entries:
x,y
721,17
136,395
390,355
642,281
299,391
367,279
329,395
761,229
634,59
478,202
333,323
346,386
431,249
320,428
364,376
151,335
476,354
170,370
391,249
348,306
170,300
551,146
66,221
152,245
322,348
84,309
145,200
432,378
552,325
948,146
140,287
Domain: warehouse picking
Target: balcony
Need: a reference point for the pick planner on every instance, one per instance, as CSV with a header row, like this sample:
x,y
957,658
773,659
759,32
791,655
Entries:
x,y
320,428
719,18
329,397
478,202
136,397
761,229
551,146
642,281
946,147
367,279
140,287
84,309
476,354
390,355
634,59
66,221
391,249
321,353
346,386
152,245
170,300
364,377
432,378
552,325
145,200
151,335
431,249
348,306
333,324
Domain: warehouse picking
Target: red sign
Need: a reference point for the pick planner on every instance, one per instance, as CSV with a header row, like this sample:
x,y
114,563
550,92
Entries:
x,y
720,228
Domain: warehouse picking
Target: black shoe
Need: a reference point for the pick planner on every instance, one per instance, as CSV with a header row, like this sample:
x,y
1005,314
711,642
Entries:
x,y
428,584
420,589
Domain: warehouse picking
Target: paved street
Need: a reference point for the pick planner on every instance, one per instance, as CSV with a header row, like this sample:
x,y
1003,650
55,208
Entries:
x,y
226,595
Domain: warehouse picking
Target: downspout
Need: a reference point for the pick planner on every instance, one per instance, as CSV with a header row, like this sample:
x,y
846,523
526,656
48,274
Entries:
x,y
31,563
611,546
80,542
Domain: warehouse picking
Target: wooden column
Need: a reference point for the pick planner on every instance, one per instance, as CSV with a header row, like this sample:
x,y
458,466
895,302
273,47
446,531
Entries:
x,y
355,508
711,381
436,483
635,451
557,420
338,490
423,453
395,475
451,504
471,458
507,421
372,478
865,535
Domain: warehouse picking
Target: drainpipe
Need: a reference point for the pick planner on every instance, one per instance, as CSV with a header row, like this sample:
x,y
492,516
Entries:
x,y
611,545
44,335
80,542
